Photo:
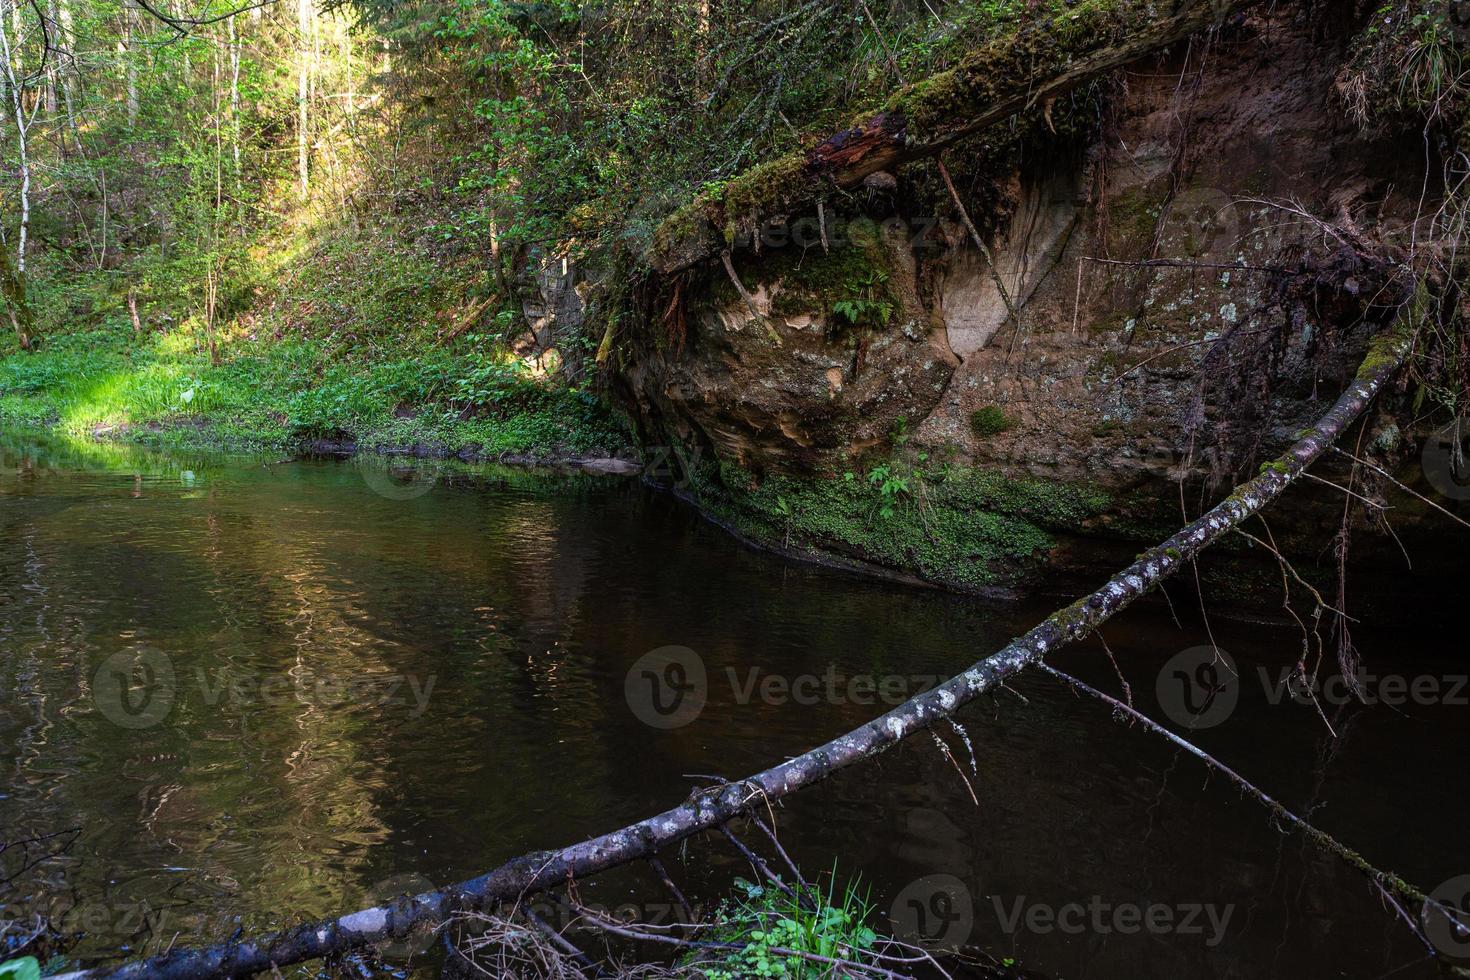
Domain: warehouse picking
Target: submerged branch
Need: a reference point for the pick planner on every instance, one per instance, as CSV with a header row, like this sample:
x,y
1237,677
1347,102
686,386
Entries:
x,y
707,809
1391,886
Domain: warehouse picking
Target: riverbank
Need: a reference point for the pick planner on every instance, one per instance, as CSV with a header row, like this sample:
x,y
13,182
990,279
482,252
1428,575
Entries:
x,y
163,389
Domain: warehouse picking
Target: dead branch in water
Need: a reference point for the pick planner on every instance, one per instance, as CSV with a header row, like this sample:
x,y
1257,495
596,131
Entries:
x,y
712,807
1392,888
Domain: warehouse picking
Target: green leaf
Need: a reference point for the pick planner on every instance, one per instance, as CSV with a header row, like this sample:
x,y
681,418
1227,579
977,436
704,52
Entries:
x,y
23,968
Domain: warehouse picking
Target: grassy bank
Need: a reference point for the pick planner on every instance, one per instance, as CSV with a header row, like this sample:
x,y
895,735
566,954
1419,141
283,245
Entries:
x,y
163,389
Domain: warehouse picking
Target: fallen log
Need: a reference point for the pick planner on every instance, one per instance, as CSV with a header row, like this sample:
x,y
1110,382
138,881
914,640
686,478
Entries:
x,y
711,808
996,81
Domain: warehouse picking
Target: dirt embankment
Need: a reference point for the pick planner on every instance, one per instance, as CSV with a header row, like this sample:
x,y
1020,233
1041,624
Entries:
x,y
1131,227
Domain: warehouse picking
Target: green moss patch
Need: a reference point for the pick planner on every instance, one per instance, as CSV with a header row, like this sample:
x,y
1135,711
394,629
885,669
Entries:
x,y
990,421
963,528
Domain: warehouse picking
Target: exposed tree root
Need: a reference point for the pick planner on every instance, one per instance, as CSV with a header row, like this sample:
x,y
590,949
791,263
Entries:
x,y
713,807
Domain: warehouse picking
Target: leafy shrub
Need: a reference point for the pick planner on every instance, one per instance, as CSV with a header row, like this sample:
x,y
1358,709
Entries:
x,y
497,381
767,921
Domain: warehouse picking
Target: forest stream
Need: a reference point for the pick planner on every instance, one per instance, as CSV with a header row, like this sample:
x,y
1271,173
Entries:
x,y
376,678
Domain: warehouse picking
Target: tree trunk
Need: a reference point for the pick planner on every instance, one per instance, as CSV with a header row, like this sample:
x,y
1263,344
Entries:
x,y
988,85
13,272
125,48
65,28
234,39
303,95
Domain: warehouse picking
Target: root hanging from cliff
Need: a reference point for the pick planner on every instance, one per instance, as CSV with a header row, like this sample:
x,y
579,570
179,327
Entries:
x,y
1316,302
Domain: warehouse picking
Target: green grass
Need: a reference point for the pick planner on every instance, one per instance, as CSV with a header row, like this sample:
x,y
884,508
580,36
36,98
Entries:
x,y
163,390
765,921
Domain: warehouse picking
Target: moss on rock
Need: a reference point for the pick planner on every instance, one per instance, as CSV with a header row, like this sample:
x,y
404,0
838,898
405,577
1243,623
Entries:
x,y
963,528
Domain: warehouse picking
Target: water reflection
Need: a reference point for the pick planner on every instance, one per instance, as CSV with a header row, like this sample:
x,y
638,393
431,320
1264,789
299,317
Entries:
x,y
369,685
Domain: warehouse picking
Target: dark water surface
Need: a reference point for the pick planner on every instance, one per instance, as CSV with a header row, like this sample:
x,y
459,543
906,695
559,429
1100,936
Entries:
x,y
263,690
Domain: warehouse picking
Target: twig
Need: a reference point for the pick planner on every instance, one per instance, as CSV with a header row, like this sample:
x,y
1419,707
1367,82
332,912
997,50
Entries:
x,y
668,882
1000,286
950,756
559,941
1388,884
1356,496
762,870
1409,490
1182,264
770,833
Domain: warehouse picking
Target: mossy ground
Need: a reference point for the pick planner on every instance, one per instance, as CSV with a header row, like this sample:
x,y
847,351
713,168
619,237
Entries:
x,y
959,527
162,391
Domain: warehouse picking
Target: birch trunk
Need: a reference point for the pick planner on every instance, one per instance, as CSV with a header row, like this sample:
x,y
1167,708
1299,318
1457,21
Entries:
x,y
63,51
234,46
13,271
303,95
125,49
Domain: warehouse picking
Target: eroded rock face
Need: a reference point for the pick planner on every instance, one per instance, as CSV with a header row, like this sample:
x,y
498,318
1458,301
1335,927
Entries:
x,y
1025,455
1097,383
554,309
970,303
783,382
